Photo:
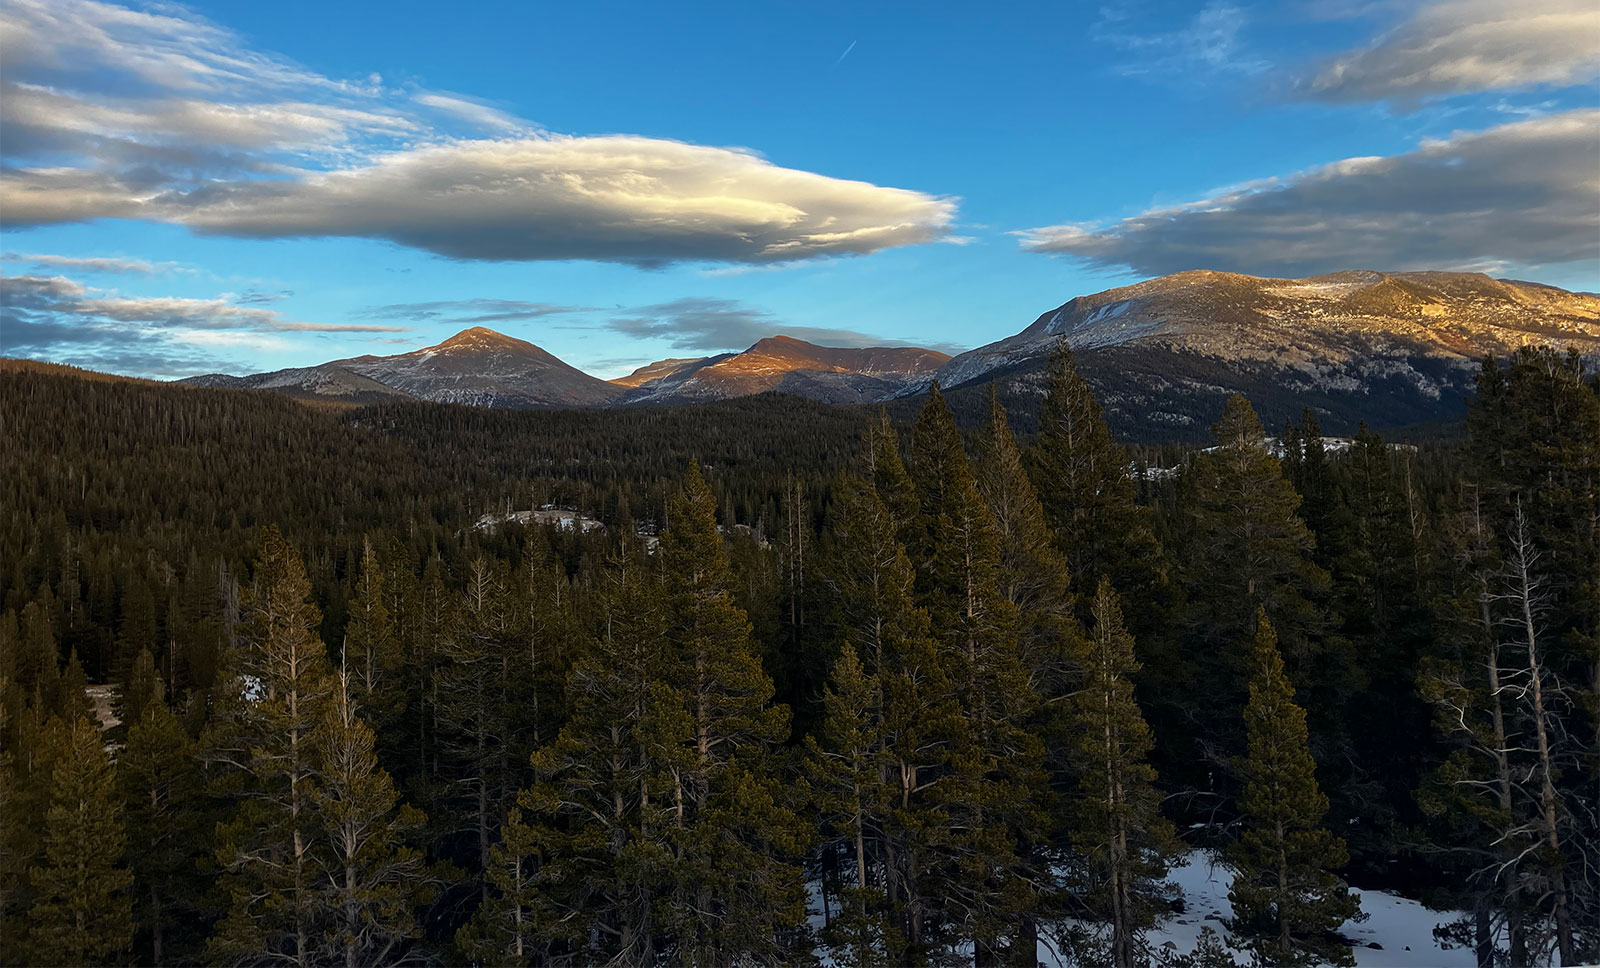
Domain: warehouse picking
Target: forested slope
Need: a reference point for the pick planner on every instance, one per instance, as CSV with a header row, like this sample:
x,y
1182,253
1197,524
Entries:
x,y
977,692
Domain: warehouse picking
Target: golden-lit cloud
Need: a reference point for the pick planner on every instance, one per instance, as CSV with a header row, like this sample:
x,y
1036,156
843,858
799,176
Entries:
x,y
159,116
1521,194
1460,46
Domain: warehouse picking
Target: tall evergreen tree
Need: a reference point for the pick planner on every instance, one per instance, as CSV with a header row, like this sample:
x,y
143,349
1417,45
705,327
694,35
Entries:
x,y
1088,498
160,783
1286,898
1033,573
1243,549
914,721
38,664
990,889
1123,843
142,687
734,838
372,881
82,913
481,753
585,865
847,763
137,631
371,645
266,749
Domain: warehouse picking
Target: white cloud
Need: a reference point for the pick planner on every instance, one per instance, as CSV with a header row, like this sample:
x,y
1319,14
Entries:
x,y
1208,43
1522,194
1462,46
103,264
57,318
623,199
158,115
473,112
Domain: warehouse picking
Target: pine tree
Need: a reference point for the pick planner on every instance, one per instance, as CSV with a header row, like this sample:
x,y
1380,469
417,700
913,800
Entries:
x,y
371,648
1033,574
480,754
75,699
1088,498
372,882
847,764
141,688
887,473
28,760
82,914
551,630
266,749
137,632
1286,898
1243,549
737,889
162,788
38,665
513,926
990,889
1471,796
586,865
1124,843
1246,548
916,717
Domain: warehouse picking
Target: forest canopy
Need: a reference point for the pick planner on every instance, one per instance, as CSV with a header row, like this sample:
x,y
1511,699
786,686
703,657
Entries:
x,y
285,683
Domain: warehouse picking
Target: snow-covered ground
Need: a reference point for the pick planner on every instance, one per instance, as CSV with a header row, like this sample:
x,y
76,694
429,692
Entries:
x,y
1402,929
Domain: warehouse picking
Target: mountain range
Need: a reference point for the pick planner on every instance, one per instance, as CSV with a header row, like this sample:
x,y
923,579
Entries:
x,y
484,368
1390,348
1393,349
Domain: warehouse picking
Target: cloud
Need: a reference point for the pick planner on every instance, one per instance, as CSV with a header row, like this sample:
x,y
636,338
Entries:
x,y
157,115
1522,194
104,264
1208,43
61,319
1461,46
726,325
256,297
473,112
621,199
468,311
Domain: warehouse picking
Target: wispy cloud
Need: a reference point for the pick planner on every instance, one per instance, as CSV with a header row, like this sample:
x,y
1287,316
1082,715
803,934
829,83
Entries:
x,y
57,318
474,112
1209,42
101,264
158,115
1462,46
467,312
722,325
1522,194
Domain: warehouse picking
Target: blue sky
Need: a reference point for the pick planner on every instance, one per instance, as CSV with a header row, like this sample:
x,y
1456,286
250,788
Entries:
x,y
242,187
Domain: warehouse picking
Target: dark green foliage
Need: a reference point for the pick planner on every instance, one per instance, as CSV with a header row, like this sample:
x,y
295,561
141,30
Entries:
x,y
1242,548
1124,844
600,728
1088,498
1286,896
999,762
81,913
266,751
162,789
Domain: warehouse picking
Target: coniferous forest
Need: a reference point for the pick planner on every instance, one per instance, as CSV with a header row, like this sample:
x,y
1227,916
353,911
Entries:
x,y
286,684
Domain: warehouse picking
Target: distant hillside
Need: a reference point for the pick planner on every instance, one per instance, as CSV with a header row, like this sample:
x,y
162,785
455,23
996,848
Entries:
x,y
476,366
1392,349
830,374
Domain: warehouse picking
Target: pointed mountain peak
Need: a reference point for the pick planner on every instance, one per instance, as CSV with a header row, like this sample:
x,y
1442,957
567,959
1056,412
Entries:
x,y
780,342
480,337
